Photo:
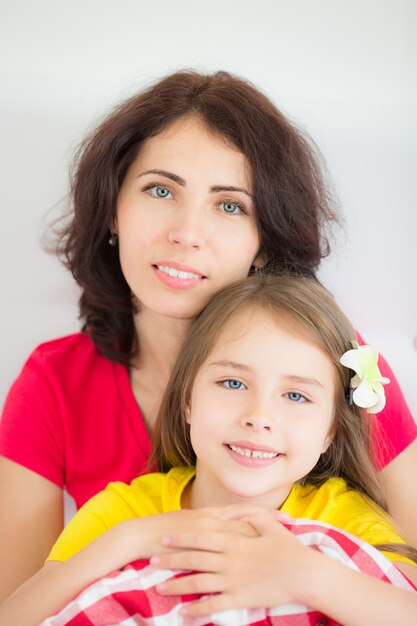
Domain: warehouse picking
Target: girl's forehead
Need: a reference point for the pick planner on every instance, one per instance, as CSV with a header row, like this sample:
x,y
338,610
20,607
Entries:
x,y
262,342
257,316
260,325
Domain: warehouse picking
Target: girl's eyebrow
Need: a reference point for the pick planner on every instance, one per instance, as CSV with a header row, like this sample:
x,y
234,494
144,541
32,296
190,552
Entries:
x,y
233,364
305,380
290,377
181,181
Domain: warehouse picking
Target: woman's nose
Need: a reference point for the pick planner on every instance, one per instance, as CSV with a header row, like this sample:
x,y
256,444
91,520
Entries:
x,y
188,229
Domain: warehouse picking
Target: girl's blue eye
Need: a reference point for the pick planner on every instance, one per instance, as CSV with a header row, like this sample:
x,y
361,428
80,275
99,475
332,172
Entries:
x,y
158,191
295,397
231,208
233,384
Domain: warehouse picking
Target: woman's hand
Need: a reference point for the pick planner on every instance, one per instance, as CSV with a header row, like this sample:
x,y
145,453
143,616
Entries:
x,y
262,570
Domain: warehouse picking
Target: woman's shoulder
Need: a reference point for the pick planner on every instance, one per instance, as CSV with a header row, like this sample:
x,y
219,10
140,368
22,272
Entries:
x,y
59,378
73,345
393,428
68,355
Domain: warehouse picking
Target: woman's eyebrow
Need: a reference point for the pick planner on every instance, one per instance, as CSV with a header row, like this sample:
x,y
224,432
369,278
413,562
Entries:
x,y
170,175
181,181
217,188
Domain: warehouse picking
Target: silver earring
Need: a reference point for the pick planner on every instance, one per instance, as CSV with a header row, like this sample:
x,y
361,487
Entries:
x,y
113,239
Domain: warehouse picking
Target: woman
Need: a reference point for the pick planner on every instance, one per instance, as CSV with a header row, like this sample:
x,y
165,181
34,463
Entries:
x,y
183,189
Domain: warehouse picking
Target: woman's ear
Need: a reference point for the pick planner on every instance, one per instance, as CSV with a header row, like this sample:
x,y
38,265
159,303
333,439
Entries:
x,y
114,227
259,261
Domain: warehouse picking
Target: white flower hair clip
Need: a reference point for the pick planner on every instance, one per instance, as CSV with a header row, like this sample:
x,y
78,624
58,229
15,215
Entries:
x,y
367,389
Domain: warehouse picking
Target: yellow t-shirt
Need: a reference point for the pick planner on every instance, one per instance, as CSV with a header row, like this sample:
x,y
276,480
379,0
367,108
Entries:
x,y
151,494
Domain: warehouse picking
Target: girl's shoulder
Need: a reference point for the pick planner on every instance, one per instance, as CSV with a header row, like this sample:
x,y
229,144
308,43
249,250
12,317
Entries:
x,y
337,504
332,502
164,488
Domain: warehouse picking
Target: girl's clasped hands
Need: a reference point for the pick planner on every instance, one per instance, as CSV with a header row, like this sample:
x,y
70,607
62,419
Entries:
x,y
239,569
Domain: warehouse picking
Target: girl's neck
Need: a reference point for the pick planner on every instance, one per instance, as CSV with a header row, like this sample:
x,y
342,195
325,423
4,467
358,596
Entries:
x,y
202,492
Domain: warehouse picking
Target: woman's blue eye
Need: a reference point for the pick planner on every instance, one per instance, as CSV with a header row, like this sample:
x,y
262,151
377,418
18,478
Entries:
x,y
232,208
296,397
231,383
158,191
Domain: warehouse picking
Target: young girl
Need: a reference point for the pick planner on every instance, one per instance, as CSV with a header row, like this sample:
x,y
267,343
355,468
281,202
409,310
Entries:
x,y
183,189
256,417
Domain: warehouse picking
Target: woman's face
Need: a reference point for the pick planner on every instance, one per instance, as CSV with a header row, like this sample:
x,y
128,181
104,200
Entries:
x,y
185,220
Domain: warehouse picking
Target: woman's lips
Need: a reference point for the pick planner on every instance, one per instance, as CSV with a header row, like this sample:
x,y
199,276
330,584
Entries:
x,y
177,275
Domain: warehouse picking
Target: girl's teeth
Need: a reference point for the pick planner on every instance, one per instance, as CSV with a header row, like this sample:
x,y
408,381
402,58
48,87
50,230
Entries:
x,y
254,454
177,273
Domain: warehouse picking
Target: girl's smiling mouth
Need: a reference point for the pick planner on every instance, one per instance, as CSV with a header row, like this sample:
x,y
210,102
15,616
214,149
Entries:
x,y
251,454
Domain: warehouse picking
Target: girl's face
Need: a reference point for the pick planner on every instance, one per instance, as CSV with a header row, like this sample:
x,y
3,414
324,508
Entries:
x,y
261,413
185,220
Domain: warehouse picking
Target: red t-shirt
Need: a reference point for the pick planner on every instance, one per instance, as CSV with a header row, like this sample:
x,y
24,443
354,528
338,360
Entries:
x,y
71,416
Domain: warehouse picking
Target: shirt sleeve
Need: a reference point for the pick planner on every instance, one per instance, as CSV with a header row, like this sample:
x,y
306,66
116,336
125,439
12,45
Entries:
x,y
394,428
103,511
30,427
86,525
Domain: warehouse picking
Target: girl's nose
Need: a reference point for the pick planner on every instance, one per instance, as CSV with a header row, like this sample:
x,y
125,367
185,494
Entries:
x,y
259,423
188,230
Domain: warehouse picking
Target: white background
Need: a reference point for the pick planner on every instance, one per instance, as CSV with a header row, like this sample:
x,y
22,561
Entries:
x,y
346,71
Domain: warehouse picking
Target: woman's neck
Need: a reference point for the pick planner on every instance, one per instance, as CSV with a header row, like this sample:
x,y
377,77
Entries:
x,y
159,339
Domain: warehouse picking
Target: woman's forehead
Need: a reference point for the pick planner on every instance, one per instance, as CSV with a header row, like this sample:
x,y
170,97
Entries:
x,y
191,137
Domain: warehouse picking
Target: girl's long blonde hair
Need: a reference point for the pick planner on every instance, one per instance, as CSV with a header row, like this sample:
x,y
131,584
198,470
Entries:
x,y
304,307
307,309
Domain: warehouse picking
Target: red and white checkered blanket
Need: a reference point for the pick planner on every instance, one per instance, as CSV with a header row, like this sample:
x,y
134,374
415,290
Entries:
x,y
127,597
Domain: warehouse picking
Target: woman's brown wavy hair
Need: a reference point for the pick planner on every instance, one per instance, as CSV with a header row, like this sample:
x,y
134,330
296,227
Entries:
x,y
306,309
292,203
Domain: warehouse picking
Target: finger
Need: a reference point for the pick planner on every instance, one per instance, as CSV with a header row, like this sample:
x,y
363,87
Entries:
x,y
265,524
189,560
190,584
241,527
208,606
281,516
206,541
